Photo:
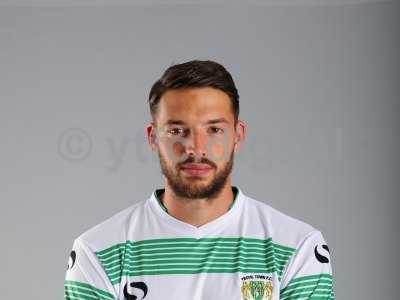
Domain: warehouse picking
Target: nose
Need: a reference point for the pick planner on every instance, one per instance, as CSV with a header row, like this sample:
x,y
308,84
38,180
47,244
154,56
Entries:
x,y
196,145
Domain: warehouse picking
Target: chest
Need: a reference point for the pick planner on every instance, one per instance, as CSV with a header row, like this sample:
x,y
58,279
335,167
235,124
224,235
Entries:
x,y
201,286
208,268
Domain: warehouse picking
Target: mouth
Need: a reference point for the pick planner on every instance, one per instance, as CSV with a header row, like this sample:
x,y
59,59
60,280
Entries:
x,y
196,169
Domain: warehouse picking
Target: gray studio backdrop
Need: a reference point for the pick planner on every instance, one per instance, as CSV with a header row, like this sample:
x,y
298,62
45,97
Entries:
x,y
319,90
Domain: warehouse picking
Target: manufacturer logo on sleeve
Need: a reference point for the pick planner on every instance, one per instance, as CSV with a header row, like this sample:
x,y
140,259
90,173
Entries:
x,y
71,260
256,287
323,258
131,290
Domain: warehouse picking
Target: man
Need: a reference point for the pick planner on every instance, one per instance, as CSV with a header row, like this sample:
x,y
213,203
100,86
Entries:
x,y
199,237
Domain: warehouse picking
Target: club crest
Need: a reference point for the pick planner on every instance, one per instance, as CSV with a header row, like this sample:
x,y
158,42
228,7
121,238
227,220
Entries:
x,y
256,287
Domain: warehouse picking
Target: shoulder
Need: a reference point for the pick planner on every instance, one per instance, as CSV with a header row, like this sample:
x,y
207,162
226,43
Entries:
x,y
281,227
113,230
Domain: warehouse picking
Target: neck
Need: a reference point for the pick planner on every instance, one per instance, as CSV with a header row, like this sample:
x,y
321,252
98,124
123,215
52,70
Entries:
x,y
197,212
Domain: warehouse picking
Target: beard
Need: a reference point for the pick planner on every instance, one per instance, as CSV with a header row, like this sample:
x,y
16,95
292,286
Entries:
x,y
186,189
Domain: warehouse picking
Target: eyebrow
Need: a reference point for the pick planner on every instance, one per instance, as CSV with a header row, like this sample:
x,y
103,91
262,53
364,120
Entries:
x,y
180,122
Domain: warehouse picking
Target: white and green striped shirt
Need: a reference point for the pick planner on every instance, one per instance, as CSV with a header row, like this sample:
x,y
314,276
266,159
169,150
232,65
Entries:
x,y
252,252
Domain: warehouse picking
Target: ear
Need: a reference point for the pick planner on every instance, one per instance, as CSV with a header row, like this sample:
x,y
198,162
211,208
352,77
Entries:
x,y
151,133
240,134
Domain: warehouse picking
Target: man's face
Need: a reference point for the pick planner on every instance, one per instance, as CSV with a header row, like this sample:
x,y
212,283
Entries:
x,y
195,125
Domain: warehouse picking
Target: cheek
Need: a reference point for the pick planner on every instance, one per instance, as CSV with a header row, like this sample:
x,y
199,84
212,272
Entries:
x,y
178,149
172,151
220,151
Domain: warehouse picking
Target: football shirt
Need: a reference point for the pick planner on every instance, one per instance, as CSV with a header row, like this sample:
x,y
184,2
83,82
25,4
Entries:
x,y
252,252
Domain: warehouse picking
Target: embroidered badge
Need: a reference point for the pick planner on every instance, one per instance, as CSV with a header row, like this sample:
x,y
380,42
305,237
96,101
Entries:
x,y
256,287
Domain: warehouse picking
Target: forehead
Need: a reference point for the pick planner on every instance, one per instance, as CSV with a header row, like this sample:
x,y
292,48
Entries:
x,y
193,105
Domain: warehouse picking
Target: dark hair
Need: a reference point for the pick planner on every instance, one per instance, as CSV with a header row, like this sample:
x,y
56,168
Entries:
x,y
195,73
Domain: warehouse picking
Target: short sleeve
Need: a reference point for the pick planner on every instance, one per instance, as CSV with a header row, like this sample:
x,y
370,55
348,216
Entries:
x,y
308,275
85,278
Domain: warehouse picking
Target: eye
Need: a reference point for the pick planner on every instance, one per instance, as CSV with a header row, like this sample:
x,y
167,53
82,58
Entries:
x,y
216,130
176,131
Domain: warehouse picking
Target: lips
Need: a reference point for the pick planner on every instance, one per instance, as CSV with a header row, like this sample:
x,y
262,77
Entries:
x,y
196,170
196,167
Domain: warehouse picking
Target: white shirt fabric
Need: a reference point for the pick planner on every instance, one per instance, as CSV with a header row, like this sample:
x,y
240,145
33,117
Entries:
x,y
252,252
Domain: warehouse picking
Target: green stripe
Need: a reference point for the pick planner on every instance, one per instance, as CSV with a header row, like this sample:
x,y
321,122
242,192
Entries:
x,y
83,291
299,285
315,287
311,278
192,256
113,248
